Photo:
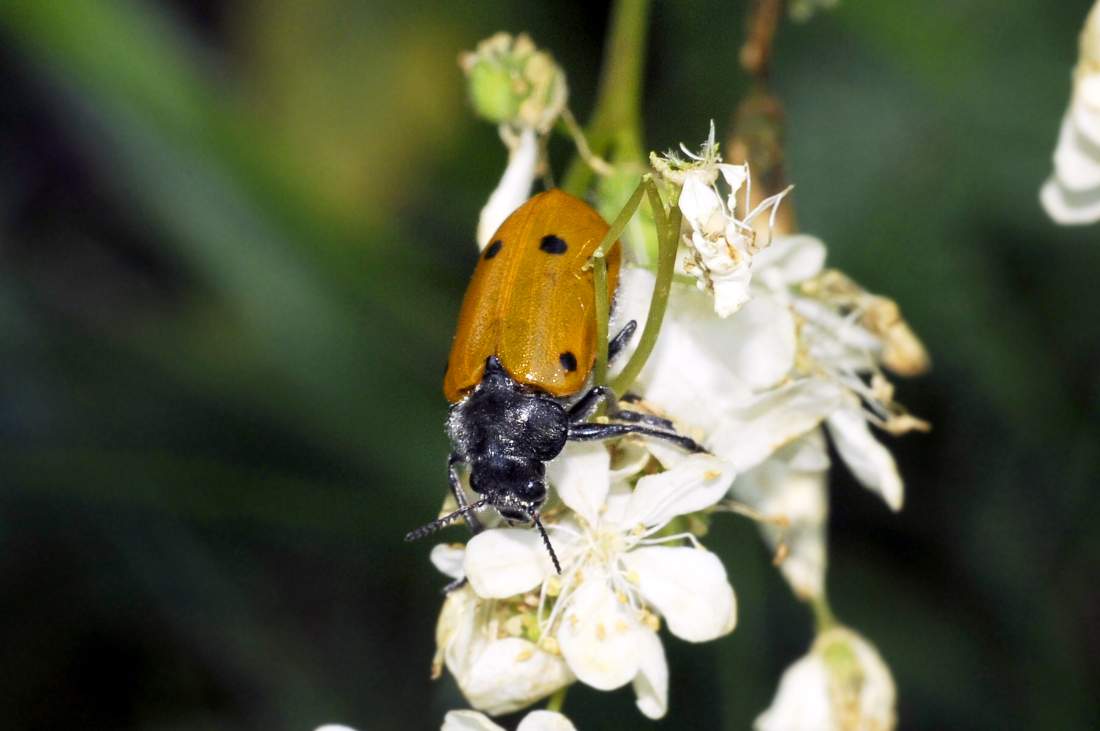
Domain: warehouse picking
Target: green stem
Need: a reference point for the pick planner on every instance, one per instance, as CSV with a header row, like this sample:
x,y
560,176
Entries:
x,y
668,238
599,266
557,700
824,619
617,119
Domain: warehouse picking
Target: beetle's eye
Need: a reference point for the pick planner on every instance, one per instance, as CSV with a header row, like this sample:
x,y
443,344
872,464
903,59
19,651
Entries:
x,y
534,491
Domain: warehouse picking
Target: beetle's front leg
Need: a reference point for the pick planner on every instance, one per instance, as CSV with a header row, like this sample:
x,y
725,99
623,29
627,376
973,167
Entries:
x,y
460,494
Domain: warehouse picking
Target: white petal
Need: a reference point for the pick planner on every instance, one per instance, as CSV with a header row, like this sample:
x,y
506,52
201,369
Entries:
x,y
698,202
1084,109
651,682
731,289
334,727
513,189
870,462
791,485
459,633
1077,159
581,477
628,460
687,373
747,435
448,559
689,588
878,694
697,482
468,721
545,721
802,701
1068,208
789,260
510,674
598,637
503,562
764,329
735,176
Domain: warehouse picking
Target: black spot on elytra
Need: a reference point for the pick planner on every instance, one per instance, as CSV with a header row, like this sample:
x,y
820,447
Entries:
x,y
494,249
568,361
553,245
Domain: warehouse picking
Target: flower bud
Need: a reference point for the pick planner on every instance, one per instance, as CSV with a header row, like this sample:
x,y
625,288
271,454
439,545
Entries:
x,y
512,82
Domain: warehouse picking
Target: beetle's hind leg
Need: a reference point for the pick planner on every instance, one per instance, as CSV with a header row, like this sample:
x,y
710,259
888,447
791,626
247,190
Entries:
x,y
637,417
589,432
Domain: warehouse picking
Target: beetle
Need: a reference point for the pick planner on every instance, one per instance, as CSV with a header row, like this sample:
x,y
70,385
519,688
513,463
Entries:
x,y
518,375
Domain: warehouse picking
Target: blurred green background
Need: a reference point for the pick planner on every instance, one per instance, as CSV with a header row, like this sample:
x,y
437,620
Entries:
x,y
233,239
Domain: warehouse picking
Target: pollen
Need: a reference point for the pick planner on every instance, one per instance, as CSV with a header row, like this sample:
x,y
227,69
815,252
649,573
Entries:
x,y
525,654
550,644
601,632
514,626
711,475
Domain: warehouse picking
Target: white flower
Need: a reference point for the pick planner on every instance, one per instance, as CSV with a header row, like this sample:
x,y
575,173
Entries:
x,y
842,684
484,645
617,576
533,721
514,186
804,351
720,244
788,490
1072,194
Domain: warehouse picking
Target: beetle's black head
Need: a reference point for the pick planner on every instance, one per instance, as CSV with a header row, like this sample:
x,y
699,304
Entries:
x,y
515,486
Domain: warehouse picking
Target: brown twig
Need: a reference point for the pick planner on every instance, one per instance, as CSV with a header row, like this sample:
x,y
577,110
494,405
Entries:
x,y
756,52
758,123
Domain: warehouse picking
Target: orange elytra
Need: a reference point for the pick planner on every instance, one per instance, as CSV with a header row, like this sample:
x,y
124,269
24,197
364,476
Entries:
x,y
531,301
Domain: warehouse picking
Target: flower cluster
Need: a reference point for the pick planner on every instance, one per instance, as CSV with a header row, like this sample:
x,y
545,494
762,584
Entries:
x,y
764,353
623,572
719,245
1072,194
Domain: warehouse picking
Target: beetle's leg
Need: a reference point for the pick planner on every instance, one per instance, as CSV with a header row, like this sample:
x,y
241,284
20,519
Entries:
x,y
619,341
588,432
459,493
637,417
587,404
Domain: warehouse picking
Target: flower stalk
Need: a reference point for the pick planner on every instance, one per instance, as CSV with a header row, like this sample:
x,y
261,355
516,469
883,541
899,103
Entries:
x,y
615,132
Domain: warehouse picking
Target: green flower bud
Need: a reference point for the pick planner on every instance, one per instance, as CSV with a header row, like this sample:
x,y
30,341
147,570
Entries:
x,y
512,82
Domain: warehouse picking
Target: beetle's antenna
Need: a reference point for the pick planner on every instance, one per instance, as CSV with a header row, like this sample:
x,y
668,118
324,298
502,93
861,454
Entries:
x,y
446,520
545,539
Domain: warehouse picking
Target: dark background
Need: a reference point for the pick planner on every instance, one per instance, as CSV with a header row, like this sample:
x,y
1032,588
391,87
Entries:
x,y
233,237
